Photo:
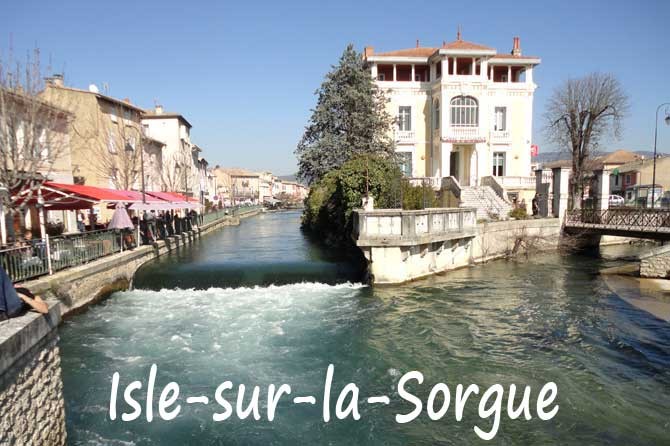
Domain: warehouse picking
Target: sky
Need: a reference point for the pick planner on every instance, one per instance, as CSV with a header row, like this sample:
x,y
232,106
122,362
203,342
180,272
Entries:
x,y
244,73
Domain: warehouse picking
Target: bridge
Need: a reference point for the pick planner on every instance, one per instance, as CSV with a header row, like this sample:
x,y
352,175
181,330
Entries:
x,y
626,222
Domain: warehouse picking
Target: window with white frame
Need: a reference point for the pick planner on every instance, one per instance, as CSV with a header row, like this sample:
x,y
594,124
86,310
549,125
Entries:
x,y
405,118
405,163
498,164
500,119
436,114
464,112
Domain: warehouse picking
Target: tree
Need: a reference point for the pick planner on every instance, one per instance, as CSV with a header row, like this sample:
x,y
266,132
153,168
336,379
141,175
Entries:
x,y
581,114
177,170
33,133
117,155
350,118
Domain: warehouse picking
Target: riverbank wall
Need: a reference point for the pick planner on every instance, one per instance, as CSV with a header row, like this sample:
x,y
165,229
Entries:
x,y
32,408
401,246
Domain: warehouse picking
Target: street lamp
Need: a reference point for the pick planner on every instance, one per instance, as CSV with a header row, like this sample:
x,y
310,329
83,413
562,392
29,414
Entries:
x,y
667,122
130,149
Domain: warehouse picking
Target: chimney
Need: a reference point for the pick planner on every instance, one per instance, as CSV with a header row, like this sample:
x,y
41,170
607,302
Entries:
x,y
417,43
368,51
158,109
516,49
56,80
127,100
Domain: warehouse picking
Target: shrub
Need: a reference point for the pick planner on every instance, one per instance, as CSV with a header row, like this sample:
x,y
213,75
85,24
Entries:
x,y
331,201
518,213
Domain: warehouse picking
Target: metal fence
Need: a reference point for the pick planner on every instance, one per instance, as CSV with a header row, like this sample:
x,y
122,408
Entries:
x,y
227,212
39,257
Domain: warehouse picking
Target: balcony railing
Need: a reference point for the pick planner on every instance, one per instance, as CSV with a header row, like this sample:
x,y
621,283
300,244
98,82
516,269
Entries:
x,y
498,136
434,182
464,134
405,136
512,182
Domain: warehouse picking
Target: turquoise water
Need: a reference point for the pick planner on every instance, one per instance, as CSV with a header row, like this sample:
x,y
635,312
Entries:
x,y
258,304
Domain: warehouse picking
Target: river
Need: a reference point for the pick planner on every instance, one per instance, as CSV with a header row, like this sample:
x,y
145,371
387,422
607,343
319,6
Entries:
x,y
259,304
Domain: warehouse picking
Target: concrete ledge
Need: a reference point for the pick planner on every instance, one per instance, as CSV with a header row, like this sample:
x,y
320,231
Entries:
x,y
18,335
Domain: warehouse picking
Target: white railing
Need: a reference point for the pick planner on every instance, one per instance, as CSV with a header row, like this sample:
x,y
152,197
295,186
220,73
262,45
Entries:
x,y
434,182
500,136
464,134
405,136
511,182
410,226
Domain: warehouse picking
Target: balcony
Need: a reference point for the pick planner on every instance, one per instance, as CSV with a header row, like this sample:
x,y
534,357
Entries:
x,y
405,137
500,137
509,182
463,135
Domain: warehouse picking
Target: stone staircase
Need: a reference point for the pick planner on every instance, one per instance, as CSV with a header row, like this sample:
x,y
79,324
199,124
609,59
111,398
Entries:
x,y
489,205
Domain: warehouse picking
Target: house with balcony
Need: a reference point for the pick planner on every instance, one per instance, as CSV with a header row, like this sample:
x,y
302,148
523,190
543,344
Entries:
x,y
464,112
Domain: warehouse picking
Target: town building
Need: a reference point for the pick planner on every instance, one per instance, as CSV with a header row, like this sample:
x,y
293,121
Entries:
x,y
463,111
635,180
180,171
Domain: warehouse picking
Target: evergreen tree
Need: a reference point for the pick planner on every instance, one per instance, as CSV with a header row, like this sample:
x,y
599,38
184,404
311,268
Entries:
x,y
350,118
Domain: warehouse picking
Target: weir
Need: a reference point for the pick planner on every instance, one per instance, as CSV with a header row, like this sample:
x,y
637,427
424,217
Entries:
x,y
32,409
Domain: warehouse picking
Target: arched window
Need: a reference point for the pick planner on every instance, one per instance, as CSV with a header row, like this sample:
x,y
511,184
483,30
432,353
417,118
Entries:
x,y
436,114
464,112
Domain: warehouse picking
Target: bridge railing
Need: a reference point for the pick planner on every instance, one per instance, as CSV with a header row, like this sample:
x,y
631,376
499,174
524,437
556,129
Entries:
x,y
621,218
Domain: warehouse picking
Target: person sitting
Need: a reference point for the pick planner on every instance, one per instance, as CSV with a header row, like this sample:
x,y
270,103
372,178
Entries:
x,y
15,300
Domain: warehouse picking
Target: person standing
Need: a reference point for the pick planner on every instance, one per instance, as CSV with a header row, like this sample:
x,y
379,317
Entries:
x,y
81,222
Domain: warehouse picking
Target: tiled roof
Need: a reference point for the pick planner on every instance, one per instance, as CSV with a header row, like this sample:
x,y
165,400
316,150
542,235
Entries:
x,y
512,56
410,52
464,45
620,157
150,114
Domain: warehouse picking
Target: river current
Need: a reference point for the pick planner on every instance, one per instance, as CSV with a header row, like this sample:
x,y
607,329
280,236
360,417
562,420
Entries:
x,y
259,304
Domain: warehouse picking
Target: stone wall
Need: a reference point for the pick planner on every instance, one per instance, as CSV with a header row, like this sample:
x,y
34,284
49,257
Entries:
x,y
32,409
391,263
656,263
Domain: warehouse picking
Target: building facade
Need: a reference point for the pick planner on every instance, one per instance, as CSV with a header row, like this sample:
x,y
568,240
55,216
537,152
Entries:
x,y
180,171
463,110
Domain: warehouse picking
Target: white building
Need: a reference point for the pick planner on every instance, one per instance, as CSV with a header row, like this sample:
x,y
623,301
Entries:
x,y
463,110
180,168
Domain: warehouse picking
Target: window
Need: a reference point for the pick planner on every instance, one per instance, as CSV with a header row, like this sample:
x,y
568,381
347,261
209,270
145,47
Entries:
x,y
627,178
464,112
381,77
405,163
500,121
111,143
436,114
405,118
499,164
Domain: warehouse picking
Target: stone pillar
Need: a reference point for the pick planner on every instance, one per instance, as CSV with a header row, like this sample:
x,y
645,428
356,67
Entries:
x,y
373,71
395,71
413,74
602,192
561,184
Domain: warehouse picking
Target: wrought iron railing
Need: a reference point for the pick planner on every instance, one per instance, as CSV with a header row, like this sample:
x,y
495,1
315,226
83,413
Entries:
x,y
39,257
621,218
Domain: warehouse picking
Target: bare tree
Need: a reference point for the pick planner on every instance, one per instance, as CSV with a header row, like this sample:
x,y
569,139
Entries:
x,y
581,114
33,133
177,171
114,141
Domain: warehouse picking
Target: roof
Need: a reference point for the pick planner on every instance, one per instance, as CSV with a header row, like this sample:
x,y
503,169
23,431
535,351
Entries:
x,y
236,172
464,45
410,52
99,96
150,114
620,157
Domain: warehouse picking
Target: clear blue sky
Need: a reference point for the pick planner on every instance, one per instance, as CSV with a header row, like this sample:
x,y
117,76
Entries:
x,y
244,72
